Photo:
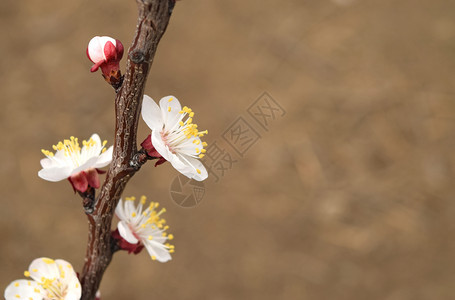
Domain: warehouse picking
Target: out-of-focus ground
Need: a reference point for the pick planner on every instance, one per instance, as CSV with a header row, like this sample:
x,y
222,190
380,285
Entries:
x,y
349,195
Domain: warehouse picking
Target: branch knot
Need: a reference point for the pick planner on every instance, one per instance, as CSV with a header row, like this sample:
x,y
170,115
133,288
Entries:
x,y
137,56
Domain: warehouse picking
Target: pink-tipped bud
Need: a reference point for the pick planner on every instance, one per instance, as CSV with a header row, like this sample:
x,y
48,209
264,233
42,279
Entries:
x,y
106,53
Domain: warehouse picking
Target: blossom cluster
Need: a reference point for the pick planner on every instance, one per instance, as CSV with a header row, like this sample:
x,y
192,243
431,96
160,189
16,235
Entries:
x,y
174,137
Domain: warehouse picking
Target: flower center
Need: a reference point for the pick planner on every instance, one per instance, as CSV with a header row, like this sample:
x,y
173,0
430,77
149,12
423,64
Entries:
x,y
72,150
183,133
55,289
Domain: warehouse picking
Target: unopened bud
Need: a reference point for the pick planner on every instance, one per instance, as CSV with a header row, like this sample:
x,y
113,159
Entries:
x,y
106,53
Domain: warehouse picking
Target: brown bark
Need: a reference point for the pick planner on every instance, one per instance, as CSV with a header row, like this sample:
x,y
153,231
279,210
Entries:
x,y
153,18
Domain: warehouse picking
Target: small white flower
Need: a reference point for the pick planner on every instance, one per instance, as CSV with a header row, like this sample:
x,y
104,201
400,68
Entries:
x,y
77,164
143,228
52,280
174,136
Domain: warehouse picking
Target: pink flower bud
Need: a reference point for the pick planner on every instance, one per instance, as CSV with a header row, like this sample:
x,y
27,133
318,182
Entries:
x,y
104,49
106,53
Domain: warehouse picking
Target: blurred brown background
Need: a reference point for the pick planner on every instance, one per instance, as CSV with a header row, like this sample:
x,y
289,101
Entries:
x,y
348,196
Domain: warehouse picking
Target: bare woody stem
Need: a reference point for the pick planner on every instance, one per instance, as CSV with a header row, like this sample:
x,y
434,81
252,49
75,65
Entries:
x,y
153,19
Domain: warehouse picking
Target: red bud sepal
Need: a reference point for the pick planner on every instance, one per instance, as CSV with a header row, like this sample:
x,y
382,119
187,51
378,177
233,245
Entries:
x,y
124,245
85,179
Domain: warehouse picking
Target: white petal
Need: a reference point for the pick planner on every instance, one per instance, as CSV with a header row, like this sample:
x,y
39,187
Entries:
x,y
43,267
197,170
25,289
95,47
158,250
96,138
48,163
180,165
87,165
67,270
129,210
105,158
126,233
151,114
62,159
170,108
159,145
72,295
55,173
119,210
70,279
189,146
105,39
157,234
88,152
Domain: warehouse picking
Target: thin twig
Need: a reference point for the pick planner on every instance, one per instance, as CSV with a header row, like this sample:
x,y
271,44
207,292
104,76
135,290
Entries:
x,y
153,19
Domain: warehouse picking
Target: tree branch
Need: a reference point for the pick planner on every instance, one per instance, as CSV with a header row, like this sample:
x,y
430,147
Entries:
x,y
153,19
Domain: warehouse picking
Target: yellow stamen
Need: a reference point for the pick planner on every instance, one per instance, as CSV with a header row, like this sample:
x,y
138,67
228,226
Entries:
x,y
198,171
48,260
26,273
47,153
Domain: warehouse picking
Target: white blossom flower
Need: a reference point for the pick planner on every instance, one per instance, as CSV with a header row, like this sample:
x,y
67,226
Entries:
x,y
146,228
79,165
52,280
105,52
174,136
